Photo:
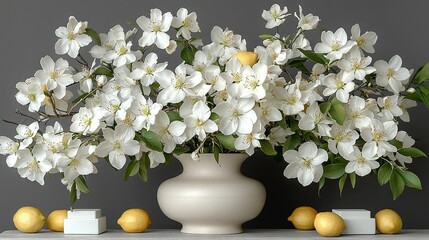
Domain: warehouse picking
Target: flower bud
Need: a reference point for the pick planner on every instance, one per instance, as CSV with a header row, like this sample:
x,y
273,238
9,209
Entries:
x,y
101,80
411,90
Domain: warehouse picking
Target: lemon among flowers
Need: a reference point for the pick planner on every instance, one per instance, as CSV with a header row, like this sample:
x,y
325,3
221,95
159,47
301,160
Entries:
x,y
388,221
55,220
310,105
329,224
303,217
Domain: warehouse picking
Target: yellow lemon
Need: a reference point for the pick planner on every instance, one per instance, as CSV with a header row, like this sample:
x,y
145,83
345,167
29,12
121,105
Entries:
x,y
303,217
247,58
388,221
29,219
55,221
134,220
329,224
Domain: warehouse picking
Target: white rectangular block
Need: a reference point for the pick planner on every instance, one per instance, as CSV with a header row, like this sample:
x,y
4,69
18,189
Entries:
x,y
352,213
84,214
85,226
359,226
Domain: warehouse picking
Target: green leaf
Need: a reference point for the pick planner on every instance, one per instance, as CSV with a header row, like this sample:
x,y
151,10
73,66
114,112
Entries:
x,y
132,169
216,152
315,57
144,161
179,150
282,124
151,140
73,194
396,184
353,179
103,71
325,107
414,96
384,173
265,36
334,171
410,179
267,148
338,112
292,142
424,97
398,144
321,184
81,184
94,35
227,141
424,89
214,116
422,74
412,152
187,54
174,116
341,183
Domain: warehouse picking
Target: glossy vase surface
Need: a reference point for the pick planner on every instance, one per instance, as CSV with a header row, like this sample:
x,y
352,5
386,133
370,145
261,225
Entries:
x,y
210,197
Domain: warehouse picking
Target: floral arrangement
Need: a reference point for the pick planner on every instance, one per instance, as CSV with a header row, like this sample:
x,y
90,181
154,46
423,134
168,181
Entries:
x,y
326,110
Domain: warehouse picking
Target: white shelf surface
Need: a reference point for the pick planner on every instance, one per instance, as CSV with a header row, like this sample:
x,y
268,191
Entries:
x,y
252,234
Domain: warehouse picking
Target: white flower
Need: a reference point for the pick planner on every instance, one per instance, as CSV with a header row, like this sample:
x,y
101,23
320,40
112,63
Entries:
x,y
33,165
30,92
335,45
342,139
306,163
365,41
391,74
155,28
176,86
275,16
307,22
278,135
225,43
145,112
389,107
236,116
377,137
300,42
171,48
253,81
84,78
156,158
312,118
148,70
268,112
213,76
77,163
87,120
128,85
114,107
108,41
198,122
360,163
357,112
186,23
407,142
9,147
118,143
356,63
27,133
201,62
121,54
72,38
273,54
250,141
290,99
404,104
170,133
341,84
56,75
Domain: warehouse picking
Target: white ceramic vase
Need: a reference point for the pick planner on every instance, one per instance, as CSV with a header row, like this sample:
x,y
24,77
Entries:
x,y
211,198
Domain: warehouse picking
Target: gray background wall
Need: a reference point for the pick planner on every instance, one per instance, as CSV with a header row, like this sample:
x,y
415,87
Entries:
x,y
27,34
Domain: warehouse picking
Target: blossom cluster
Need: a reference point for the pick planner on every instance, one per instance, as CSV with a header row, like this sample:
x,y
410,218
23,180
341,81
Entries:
x,y
330,111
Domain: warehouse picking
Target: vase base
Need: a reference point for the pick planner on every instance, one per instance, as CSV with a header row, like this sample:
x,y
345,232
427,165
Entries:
x,y
211,229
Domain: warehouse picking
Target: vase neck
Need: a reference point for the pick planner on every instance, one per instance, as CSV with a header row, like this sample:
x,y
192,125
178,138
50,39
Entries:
x,y
207,165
